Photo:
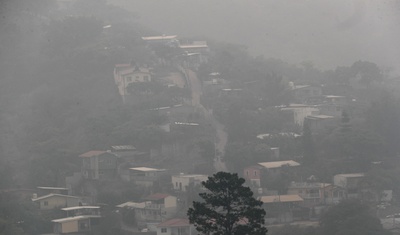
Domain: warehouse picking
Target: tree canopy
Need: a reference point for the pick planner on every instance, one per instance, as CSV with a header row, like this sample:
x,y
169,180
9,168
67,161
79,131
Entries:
x,y
229,208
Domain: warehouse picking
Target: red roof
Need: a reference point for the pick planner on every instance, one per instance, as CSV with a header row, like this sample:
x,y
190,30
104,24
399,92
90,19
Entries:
x,y
157,196
175,223
92,153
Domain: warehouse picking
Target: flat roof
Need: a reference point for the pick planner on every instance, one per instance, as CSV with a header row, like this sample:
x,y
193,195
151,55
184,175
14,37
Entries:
x,y
53,195
281,198
186,123
278,164
79,207
320,117
52,188
140,205
80,217
92,153
145,169
189,46
162,37
351,175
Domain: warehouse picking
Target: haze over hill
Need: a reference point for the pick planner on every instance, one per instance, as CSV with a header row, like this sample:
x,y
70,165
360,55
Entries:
x,y
326,33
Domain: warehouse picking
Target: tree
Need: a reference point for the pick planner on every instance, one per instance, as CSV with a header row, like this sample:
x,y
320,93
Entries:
x,y
350,217
229,208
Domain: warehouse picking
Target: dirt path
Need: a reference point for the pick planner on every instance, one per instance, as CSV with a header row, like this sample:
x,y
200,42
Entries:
x,y
221,136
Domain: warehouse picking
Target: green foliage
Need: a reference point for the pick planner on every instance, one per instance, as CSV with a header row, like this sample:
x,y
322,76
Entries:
x,y
228,208
241,154
383,116
350,217
206,149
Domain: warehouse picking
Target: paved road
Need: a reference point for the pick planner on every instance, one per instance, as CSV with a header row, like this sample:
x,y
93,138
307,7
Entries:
x,y
221,136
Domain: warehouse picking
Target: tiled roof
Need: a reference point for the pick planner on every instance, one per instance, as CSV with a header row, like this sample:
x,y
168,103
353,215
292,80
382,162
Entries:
x,y
92,153
175,223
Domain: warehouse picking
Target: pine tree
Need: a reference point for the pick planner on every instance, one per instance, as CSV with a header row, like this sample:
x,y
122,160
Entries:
x,y
229,208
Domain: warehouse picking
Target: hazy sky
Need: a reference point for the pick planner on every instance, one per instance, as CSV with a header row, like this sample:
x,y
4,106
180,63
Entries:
x,y
326,32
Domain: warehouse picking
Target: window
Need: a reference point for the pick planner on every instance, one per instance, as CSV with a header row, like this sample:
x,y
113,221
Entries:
x,y
247,173
163,230
45,203
255,172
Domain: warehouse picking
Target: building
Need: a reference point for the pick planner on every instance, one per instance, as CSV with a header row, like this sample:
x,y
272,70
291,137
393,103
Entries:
x,y
127,74
298,112
274,169
145,176
318,123
182,181
161,40
302,93
56,201
99,165
74,225
155,208
253,175
175,227
282,208
350,182
313,193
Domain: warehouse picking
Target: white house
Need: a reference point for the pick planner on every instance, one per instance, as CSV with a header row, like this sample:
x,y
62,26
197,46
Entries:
x,y
182,181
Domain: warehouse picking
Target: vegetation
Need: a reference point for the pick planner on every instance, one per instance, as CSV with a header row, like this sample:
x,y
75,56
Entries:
x,y
228,207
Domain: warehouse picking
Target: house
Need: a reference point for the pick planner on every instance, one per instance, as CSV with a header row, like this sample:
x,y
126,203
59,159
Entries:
x,y
350,182
318,123
182,181
302,93
175,227
253,175
73,225
126,74
99,165
145,176
155,208
54,201
93,211
298,112
313,193
282,208
274,169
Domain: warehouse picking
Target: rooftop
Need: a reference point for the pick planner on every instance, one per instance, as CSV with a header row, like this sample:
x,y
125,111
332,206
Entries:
x,y
79,207
52,195
145,169
52,188
122,147
92,153
80,217
351,175
277,164
140,205
162,37
281,198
